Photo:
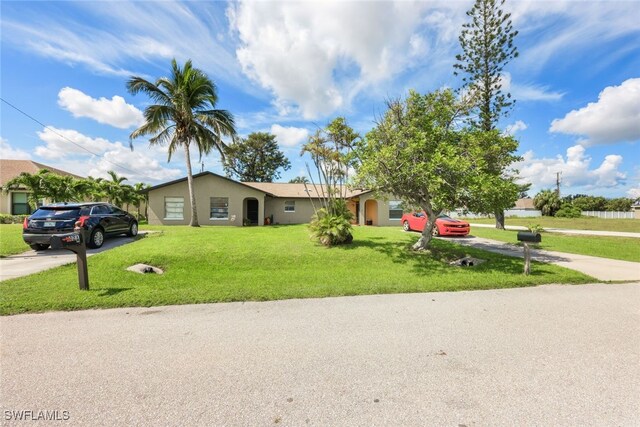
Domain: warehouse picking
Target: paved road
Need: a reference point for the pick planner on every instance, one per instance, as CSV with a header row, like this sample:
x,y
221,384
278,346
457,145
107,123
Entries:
x,y
567,231
35,261
550,355
601,268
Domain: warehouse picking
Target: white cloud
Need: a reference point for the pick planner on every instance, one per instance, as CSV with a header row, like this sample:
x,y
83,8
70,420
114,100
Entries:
x,y
10,153
528,92
139,165
318,55
516,127
289,136
634,193
575,168
115,111
614,118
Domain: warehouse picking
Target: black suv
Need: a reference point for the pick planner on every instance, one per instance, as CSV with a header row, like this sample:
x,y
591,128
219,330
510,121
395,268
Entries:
x,y
98,219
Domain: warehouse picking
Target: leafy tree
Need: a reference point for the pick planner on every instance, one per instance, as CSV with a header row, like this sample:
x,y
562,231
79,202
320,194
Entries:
x,y
184,116
487,47
35,183
621,204
589,203
418,154
255,159
331,150
547,201
299,180
567,210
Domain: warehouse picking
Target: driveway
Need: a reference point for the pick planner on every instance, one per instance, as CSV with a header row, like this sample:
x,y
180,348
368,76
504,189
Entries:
x,y
567,231
33,262
549,355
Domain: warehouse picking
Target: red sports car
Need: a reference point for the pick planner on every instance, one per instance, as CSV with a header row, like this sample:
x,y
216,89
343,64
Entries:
x,y
445,226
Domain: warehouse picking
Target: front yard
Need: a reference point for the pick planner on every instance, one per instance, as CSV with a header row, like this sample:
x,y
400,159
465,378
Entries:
x,y
213,264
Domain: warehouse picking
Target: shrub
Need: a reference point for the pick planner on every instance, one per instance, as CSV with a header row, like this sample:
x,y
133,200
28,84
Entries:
x,y
535,228
331,229
568,211
12,219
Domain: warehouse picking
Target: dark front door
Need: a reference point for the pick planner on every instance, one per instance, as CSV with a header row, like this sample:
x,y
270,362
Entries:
x,y
252,211
357,212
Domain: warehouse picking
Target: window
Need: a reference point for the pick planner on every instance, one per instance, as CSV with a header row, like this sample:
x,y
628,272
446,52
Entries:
x,y
19,204
174,208
289,205
219,208
395,210
100,210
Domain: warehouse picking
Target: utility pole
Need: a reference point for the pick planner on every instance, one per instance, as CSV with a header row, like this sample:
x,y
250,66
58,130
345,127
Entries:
x,y
558,175
201,167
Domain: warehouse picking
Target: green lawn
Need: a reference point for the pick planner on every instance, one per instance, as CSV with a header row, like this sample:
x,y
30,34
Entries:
x,y
214,264
11,240
582,223
622,248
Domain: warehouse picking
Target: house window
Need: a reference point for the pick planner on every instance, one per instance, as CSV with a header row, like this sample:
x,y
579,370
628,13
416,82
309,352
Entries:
x,y
395,210
289,205
219,208
174,208
19,204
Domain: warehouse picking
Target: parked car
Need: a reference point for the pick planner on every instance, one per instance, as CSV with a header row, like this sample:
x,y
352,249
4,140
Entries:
x,y
445,225
97,219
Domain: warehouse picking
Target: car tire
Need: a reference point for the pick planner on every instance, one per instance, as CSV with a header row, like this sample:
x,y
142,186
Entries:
x,y
405,226
435,232
133,229
96,239
39,247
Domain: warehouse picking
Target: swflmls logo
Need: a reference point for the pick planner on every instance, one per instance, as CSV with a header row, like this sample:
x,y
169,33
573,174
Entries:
x,y
29,415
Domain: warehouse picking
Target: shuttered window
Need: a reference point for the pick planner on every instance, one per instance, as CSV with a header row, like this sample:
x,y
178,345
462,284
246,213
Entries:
x,y
219,208
174,208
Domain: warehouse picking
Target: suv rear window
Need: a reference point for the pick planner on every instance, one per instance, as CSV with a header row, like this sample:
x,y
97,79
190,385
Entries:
x,y
56,213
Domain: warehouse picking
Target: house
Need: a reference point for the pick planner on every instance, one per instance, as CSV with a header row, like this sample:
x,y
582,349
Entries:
x,y
14,202
223,201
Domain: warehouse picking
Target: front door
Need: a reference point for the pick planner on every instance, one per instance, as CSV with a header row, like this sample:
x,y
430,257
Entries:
x,y
252,211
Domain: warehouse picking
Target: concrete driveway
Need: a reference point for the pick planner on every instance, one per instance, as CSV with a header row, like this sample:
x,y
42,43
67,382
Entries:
x,y
35,261
550,355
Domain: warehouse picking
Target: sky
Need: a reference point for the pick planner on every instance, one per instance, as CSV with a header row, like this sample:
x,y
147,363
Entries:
x,y
289,68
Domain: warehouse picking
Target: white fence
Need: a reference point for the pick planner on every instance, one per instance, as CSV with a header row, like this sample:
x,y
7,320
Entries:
x,y
507,213
609,215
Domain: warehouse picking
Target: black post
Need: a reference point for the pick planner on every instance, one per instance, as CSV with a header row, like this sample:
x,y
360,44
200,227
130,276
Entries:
x,y
75,242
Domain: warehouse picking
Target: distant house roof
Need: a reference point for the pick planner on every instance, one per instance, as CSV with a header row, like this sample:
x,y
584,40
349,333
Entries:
x,y
526,204
293,191
10,169
275,189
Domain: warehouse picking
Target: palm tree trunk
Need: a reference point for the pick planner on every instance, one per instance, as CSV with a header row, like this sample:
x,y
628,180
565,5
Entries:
x,y
192,195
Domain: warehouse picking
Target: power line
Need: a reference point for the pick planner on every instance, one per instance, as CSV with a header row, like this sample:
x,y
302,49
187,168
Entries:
x,y
64,137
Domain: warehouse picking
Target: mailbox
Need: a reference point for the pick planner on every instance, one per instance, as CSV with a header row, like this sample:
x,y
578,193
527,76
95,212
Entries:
x,y
525,236
75,243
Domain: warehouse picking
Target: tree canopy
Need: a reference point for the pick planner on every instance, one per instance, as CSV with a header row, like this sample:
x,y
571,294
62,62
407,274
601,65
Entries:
x,y
255,159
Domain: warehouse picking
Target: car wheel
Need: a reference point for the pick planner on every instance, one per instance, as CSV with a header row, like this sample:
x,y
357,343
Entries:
x,y
133,229
39,247
96,239
405,226
435,232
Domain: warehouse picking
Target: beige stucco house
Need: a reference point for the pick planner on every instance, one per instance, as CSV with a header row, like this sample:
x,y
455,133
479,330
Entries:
x,y
223,201
14,202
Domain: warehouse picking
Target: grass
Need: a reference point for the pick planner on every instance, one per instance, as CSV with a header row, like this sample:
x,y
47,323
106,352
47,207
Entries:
x,y
582,223
622,248
214,264
11,240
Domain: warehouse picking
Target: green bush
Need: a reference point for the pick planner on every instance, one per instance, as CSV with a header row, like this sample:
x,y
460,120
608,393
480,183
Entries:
x,y
535,228
12,219
568,211
331,229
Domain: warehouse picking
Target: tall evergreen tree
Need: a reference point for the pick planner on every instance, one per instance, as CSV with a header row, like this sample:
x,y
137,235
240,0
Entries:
x,y
487,47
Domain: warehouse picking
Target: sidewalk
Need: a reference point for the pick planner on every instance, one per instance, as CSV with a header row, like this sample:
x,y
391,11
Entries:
x,y
567,231
604,269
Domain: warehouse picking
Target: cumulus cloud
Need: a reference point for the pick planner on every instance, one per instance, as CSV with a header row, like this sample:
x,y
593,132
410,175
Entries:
x,y
115,111
318,55
10,153
289,136
515,127
95,156
614,118
575,168
634,193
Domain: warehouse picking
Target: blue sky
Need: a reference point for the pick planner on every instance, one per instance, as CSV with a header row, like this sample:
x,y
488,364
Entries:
x,y
289,67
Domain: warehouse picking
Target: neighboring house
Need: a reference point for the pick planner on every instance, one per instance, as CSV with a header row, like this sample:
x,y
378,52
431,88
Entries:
x,y
14,202
223,201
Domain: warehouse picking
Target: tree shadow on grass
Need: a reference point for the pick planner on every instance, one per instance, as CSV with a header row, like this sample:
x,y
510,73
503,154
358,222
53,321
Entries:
x,y
109,292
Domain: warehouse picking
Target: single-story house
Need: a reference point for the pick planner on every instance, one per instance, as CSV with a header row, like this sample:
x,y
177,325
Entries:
x,y
14,202
223,201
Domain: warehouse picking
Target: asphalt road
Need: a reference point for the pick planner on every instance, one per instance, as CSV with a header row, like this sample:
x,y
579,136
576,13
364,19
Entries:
x,y
550,355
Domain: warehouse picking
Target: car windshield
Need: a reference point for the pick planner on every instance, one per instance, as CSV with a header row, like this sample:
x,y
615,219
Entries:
x,y
444,217
56,213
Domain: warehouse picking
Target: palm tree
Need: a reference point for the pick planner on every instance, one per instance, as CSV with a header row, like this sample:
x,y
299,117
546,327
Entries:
x,y
142,196
116,191
184,115
35,183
